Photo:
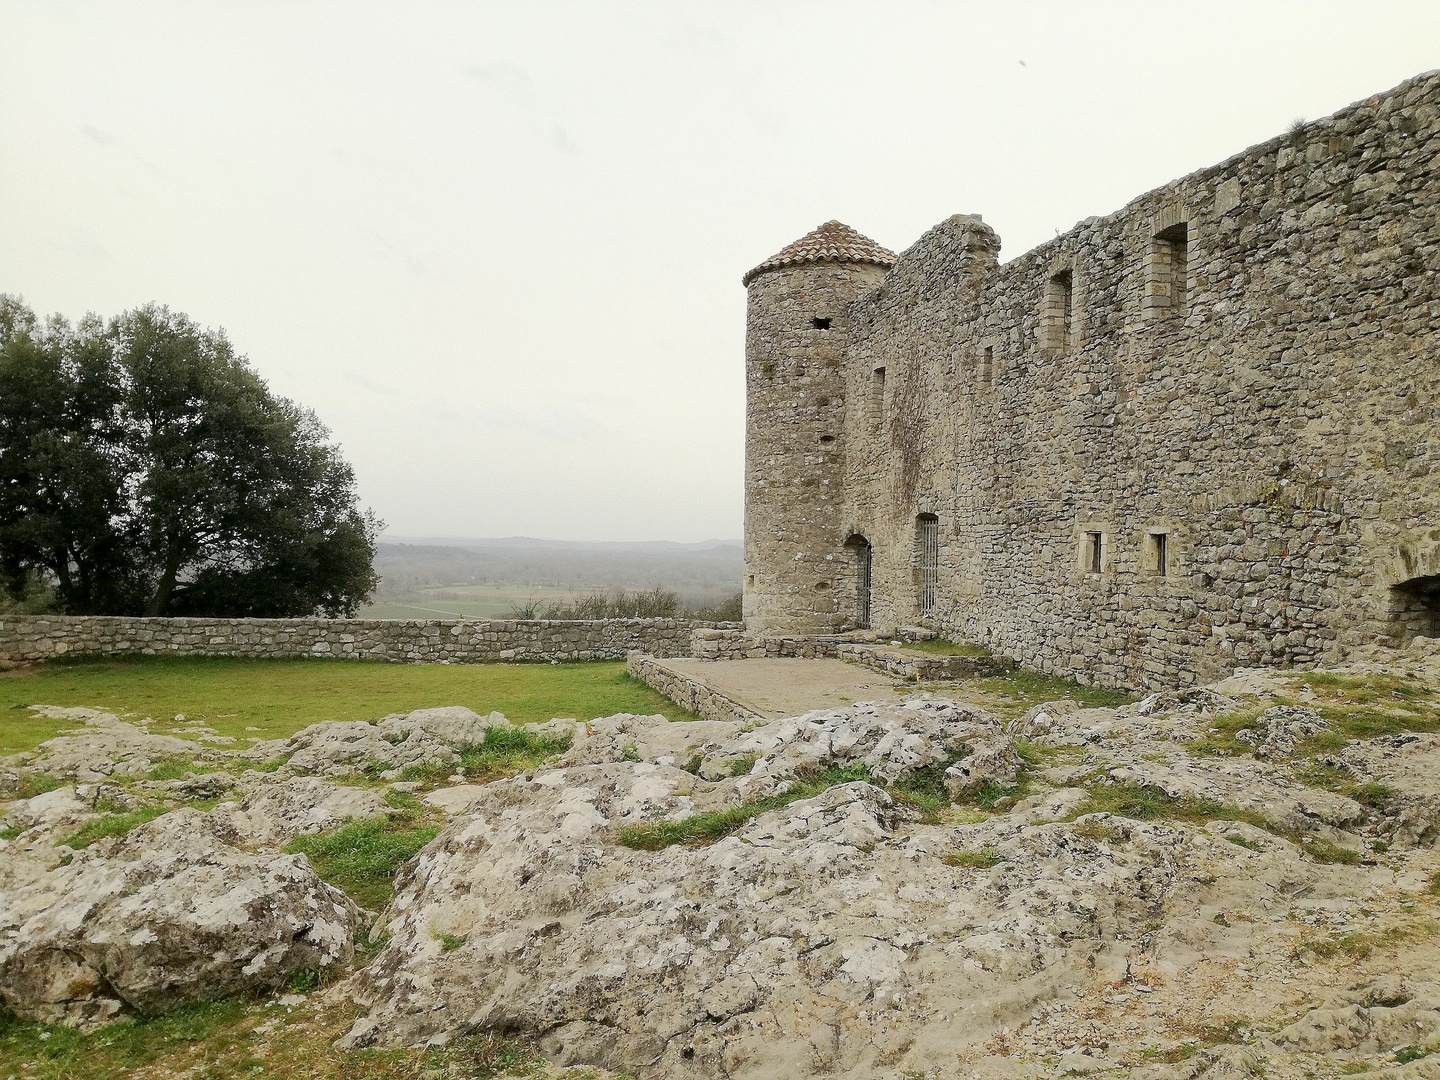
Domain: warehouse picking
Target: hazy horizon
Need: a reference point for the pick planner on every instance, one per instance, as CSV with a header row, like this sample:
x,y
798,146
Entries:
x,y
498,247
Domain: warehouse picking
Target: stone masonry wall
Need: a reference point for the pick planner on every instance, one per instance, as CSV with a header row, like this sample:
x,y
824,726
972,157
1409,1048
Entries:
x,y
40,637
1243,363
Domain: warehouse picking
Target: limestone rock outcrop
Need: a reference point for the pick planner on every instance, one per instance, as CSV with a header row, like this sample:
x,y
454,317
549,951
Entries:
x,y
168,915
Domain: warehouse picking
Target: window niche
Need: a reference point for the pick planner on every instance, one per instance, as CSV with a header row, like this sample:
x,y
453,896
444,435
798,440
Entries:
x,y
1057,310
877,396
819,323
860,569
1167,273
1157,554
1092,552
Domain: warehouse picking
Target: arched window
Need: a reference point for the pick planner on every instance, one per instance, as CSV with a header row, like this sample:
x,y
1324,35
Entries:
x,y
927,547
862,561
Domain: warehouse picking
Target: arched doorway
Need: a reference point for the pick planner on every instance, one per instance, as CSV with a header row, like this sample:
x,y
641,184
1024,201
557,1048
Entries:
x,y
862,565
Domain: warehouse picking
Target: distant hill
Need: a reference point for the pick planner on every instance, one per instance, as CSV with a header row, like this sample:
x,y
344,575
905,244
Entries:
x,y
433,577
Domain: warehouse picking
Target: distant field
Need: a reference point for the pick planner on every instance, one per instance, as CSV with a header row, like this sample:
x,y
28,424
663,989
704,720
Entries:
x,y
270,699
465,601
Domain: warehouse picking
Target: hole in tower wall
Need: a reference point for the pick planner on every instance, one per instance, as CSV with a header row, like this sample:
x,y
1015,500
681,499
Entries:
x,y
826,440
1415,605
820,324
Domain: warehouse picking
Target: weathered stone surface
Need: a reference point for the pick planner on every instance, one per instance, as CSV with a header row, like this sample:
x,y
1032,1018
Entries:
x,y
424,737
170,914
103,745
891,740
275,810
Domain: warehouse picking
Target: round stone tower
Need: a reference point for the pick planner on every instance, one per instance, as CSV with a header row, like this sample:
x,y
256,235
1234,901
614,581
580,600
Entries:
x,y
796,330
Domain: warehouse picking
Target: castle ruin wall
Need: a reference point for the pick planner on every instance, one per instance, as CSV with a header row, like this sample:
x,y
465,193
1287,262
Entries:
x,y
1197,434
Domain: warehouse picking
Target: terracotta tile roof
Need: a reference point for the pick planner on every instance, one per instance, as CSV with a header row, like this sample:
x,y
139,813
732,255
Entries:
x,y
831,242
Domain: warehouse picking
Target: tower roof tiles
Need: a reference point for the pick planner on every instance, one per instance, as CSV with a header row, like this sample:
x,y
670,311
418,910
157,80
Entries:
x,y
831,242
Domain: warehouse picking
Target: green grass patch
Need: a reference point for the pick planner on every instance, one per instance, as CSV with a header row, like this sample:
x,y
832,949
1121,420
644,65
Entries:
x,y
1378,797
112,825
32,784
241,1038
715,825
1358,945
276,698
942,647
1150,804
361,858
972,860
1221,740
1018,691
506,751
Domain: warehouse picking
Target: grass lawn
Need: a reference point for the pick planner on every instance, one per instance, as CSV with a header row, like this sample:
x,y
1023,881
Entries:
x,y
269,699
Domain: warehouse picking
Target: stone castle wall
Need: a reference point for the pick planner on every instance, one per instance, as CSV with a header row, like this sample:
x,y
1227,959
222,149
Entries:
x,y
43,637
1231,383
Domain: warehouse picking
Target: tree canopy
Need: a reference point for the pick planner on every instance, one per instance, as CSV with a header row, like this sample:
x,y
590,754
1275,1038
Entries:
x,y
145,469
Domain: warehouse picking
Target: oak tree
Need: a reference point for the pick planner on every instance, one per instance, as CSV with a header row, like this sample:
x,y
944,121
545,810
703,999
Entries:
x,y
145,468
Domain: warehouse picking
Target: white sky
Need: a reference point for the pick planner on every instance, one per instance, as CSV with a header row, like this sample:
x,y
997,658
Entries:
x,y
498,246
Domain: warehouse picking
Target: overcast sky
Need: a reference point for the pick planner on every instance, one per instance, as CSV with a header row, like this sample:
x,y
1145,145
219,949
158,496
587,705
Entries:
x,y
498,246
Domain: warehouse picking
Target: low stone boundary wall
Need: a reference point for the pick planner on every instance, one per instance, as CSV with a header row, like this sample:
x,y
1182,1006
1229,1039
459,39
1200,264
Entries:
x,y
704,701
43,637
729,644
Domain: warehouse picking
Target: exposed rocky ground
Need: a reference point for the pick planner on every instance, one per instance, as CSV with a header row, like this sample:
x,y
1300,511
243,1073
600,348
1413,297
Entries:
x,y
1231,881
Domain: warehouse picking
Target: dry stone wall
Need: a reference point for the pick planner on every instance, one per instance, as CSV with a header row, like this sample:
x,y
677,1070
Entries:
x,y
42,637
1199,433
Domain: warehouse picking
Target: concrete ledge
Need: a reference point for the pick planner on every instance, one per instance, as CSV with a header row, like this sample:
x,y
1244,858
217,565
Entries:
x,y
688,692
729,644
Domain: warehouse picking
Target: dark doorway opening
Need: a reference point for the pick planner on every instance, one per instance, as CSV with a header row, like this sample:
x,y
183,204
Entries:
x,y
1415,605
862,556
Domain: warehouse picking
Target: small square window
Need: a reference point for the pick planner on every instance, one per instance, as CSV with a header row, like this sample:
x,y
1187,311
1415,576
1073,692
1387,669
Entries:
x,y
820,324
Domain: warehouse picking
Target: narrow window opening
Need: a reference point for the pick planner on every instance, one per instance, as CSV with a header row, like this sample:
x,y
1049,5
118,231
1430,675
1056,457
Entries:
x,y
1093,551
750,581
1167,285
927,540
877,395
862,564
820,324
987,366
1055,311
1159,553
